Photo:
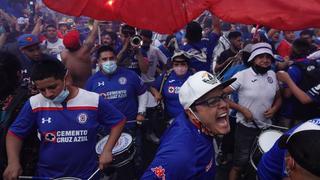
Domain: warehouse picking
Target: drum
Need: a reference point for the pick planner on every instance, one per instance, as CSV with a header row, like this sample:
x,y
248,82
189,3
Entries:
x,y
60,178
123,152
263,144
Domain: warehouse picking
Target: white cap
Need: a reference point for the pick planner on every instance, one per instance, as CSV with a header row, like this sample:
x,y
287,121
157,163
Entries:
x,y
180,53
260,48
198,85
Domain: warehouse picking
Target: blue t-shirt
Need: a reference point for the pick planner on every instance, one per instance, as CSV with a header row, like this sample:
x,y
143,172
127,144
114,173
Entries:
x,y
170,92
314,94
213,41
184,153
290,104
130,57
272,163
68,132
121,89
165,51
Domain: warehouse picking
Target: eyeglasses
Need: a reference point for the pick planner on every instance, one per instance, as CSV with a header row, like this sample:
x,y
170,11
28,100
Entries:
x,y
213,101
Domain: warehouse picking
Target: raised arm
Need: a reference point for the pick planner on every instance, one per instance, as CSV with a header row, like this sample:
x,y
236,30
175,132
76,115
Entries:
x,y
89,42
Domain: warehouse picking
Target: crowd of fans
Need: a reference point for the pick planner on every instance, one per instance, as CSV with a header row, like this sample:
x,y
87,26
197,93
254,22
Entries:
x,y
140,74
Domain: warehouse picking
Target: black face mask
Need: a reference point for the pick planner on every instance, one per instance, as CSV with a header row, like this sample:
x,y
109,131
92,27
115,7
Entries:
x,y
260,70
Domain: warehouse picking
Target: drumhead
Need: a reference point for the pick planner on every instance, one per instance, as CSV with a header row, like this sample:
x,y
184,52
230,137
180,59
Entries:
x,y
124,141
267,139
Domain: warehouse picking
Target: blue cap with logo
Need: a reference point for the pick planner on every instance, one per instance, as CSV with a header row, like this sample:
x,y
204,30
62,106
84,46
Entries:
x,y
26,40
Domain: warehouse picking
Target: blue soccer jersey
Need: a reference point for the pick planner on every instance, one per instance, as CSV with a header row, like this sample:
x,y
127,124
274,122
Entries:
x,y
314,94
272,164
170,92
121,89
184,153
68,132
201,54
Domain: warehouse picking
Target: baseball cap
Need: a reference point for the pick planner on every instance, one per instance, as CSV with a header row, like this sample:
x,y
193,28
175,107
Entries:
x,y
26,40
197,86
304,145
71,39
260,48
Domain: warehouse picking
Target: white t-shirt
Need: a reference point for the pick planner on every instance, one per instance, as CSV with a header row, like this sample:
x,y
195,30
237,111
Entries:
x,y
53,48
154,56
257,93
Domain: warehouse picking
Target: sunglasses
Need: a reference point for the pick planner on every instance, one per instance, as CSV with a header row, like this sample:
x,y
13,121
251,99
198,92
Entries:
x,y
213,101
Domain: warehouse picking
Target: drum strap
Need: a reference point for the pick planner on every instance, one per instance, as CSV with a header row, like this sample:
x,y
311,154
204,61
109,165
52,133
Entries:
x,y
255,124
164,79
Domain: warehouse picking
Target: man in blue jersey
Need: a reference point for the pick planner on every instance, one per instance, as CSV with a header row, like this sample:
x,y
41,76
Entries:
x,y
199,50
186,149
131,55
29,53
121,87
125,90
305,74
171,85
294,155
67,118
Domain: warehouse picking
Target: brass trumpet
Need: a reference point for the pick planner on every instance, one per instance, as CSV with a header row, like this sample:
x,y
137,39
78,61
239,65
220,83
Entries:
x,y
136,41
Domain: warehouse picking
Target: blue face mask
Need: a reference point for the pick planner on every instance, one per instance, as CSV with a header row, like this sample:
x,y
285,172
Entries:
x,y
109,67
62,96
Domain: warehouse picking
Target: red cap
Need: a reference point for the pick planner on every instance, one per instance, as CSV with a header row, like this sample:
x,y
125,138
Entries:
x,y
72,40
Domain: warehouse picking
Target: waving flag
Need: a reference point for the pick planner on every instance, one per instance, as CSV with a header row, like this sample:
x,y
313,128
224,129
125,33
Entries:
x,y
168,16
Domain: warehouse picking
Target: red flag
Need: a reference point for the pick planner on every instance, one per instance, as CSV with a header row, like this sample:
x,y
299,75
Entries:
x,y
168,16
164,16
278,14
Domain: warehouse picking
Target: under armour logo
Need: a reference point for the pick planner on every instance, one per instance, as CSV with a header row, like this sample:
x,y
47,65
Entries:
x,y
46,120
24,71
101,83
27,80
254,80
317,88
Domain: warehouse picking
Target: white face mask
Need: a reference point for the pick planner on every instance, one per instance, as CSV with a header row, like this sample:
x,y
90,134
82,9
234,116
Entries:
x,y
109,67
180,70
194,115
62,96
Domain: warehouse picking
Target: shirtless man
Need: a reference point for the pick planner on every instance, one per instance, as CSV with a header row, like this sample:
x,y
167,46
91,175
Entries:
x,y
76,57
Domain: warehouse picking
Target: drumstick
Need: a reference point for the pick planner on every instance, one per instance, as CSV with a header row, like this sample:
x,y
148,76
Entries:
x,y
279,127
34,177
94,174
